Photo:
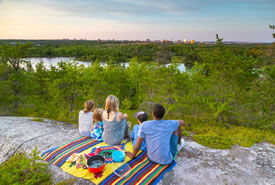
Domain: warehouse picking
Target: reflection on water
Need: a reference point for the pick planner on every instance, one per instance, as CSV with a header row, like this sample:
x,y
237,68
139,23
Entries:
x,y
53,61
181,67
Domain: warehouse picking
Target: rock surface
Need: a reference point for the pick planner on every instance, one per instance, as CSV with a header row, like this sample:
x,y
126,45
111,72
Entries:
x,y
22,134
195,165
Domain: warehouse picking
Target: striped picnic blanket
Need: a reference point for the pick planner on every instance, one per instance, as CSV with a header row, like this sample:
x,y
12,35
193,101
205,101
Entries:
x,y
59,155
142,170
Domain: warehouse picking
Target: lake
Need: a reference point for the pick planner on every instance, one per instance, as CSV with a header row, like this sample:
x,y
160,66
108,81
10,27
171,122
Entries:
x,y
54,61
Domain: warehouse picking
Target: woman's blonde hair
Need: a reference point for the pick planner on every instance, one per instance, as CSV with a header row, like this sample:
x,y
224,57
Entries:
x,y
112,104
88,106
97,115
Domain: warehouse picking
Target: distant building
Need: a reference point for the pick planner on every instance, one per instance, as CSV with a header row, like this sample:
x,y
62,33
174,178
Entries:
x,y
167,41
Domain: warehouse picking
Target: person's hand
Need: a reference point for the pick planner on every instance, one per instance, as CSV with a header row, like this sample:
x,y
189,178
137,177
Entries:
x,y
125,116
130,155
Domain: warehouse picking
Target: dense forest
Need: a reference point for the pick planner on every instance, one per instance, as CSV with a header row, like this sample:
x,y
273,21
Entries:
x,y
124,51
225,89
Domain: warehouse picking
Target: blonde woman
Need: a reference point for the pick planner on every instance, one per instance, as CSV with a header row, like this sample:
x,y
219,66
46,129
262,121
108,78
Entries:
x,y
114,122
85,119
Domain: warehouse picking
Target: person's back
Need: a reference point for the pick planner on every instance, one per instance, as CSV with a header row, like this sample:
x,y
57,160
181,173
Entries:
x,y
113,131
114,122
97,126
85,119
141,117
135,136
85,123
157,135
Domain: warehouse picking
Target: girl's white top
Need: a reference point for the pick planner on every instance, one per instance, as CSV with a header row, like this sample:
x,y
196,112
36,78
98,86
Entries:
x,y
85,121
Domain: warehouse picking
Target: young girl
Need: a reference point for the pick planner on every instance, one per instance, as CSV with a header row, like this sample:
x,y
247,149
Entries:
x,y
114,122
85,119
97,126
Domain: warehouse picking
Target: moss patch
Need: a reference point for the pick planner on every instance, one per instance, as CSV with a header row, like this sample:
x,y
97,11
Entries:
x,y
185,133
217,142
67,182
221,138
38,119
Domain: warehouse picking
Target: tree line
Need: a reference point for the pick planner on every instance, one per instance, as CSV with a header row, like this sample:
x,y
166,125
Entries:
x,y
115,52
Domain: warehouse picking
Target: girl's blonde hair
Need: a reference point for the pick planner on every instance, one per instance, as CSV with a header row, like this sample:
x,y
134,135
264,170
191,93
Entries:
x,y
88,106
112,104
97,115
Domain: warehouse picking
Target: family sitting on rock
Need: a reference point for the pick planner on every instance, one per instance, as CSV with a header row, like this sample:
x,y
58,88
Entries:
x,y
161,138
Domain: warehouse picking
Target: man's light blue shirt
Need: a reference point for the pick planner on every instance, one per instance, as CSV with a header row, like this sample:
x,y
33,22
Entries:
x,y
157,135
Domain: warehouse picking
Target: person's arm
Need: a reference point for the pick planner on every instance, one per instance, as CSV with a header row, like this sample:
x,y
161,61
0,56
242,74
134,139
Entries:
x,y
124,116
136,148
181,123
121,116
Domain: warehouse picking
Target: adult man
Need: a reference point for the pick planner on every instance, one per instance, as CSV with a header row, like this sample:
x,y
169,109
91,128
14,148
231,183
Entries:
x,y
161,137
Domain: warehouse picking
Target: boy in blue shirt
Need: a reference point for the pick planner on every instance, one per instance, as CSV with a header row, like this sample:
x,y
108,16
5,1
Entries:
x,y
162,137
141,117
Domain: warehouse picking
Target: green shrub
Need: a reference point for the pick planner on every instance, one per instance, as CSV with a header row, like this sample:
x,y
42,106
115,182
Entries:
x,y
20,169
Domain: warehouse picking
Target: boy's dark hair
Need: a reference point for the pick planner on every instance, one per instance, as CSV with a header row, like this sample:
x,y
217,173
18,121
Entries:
x,y
143,117
158,111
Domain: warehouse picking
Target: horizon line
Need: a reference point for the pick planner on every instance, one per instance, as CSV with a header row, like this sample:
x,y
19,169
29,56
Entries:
x,y
137,40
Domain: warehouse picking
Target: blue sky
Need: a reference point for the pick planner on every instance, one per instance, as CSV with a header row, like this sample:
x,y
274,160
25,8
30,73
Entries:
x,y
234,20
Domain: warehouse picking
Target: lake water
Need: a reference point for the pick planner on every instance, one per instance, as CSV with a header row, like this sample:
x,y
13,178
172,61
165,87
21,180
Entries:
x,y
54,61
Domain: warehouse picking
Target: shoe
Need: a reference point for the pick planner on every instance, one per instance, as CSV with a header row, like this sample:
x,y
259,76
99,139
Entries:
x,y
179,147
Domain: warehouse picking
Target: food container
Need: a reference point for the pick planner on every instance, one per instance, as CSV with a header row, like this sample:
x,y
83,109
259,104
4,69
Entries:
x,y
118,156
96,164
122,169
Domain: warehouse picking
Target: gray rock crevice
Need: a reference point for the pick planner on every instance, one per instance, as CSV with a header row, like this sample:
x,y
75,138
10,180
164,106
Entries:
x,y
29,141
